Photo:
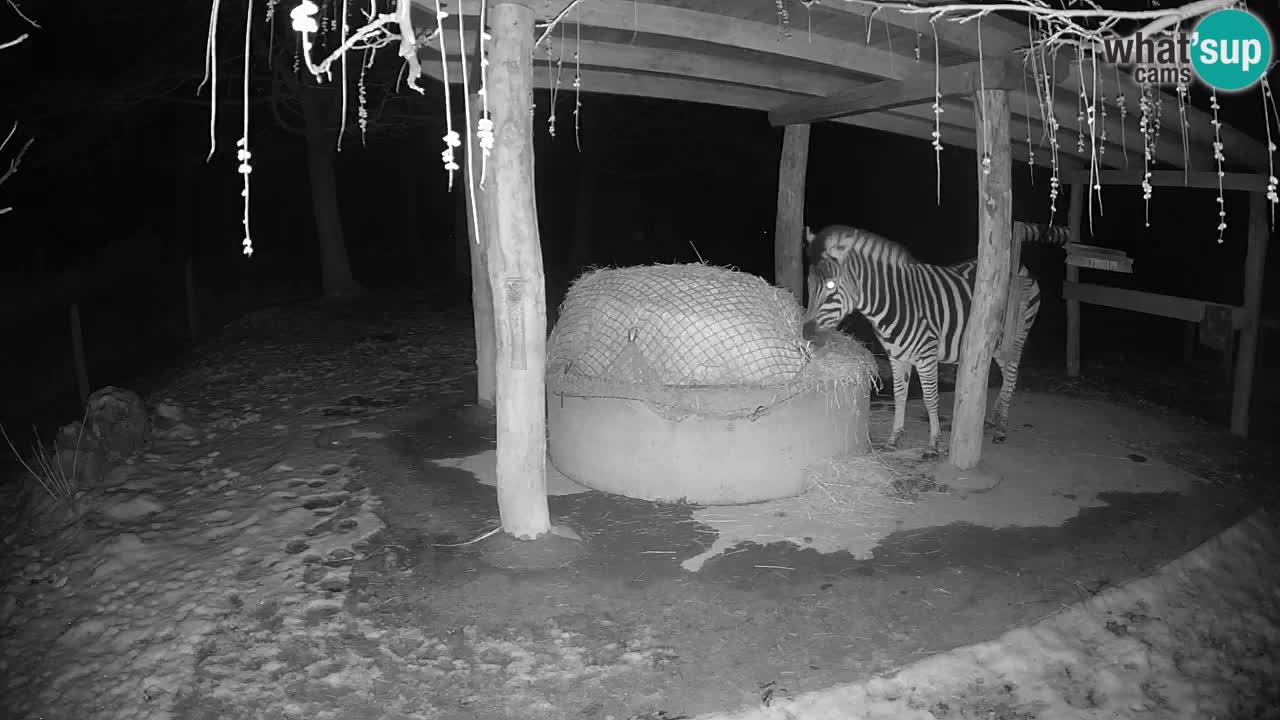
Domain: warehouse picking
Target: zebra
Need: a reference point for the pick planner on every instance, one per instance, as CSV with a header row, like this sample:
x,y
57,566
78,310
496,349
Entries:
x,y
918,310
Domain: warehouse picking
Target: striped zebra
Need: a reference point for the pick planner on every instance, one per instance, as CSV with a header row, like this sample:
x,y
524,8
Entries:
x,y
918,311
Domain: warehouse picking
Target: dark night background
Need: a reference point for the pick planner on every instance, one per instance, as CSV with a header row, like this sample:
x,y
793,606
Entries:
x,y
117,181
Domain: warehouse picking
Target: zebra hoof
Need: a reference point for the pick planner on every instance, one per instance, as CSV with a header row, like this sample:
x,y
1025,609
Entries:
x,y
999,437
929,454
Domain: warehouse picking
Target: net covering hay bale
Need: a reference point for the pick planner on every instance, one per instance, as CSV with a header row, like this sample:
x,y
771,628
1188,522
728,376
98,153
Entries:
x,y
692,382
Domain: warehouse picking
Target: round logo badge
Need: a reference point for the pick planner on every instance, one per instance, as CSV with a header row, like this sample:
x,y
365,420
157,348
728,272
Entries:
x,y
1231,49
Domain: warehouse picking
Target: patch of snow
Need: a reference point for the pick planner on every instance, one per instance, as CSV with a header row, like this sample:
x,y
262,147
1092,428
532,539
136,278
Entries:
x,y
1199,639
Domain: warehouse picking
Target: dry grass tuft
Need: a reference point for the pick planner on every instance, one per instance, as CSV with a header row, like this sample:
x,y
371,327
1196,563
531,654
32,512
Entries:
x,y
45,468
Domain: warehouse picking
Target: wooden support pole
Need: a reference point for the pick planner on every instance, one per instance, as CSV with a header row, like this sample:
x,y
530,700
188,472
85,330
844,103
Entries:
x,y
1013,304
77,353
991,286
1189,337
1247,354
514,259
481,293
1075,216
788,237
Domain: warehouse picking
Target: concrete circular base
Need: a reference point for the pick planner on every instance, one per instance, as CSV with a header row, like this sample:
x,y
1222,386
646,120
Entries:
x,y
627,447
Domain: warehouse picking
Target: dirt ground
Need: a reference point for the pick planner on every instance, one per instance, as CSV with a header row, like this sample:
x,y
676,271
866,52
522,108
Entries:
x,y
623,630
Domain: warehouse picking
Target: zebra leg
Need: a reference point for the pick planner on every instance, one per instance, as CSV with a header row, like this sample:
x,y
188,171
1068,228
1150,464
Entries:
x,y
928,367
901,370
1008,381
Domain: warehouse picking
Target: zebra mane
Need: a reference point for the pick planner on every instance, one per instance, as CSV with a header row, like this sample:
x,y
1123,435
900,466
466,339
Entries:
x,y
866,244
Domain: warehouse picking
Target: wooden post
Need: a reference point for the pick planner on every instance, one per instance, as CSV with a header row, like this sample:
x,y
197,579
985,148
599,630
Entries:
x,y
788,238
481,293
193,312
77,353
1075,214
514,259
1246,356
1189,333
1012,306
991,286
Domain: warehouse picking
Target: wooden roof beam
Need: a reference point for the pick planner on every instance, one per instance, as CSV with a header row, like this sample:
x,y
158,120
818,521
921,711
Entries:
x,y
649,19
959,124
1202,179
1237,146
1000,36
606,82
640,59
921,86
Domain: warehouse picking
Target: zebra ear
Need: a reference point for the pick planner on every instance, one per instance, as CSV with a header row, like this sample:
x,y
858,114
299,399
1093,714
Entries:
x,y
808,236
838,245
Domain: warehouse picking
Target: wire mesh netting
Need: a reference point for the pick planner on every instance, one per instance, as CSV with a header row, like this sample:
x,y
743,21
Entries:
x,y
688,325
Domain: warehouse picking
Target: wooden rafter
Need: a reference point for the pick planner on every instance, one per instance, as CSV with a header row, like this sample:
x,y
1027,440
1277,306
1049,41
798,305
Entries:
x,y
999,35
733,56
1203,179
920,86
713,29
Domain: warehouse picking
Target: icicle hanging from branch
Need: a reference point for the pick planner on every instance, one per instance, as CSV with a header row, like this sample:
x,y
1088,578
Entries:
x,y
1146,126
1269,103
242,153
1218,157
451,139
937,114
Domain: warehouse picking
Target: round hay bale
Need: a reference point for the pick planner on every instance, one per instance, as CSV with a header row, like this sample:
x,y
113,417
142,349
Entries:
x,y
678,325
630,409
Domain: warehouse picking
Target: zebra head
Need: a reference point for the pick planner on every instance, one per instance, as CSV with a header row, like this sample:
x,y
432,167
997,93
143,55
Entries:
x,y
833,289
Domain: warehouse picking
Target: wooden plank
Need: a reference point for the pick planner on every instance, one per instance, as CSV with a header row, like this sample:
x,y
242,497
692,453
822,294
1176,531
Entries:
x,y
1000,36
516,281
481,293
1238,147
995,230
597,55
1093,262
1203,179
1118,154
960,116
851,54
921,86
788,239
1247,354
715,29
672,88
1170,306
1013,306
1075,220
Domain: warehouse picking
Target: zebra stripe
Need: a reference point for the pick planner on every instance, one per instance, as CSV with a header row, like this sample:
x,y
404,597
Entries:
x,y
918,311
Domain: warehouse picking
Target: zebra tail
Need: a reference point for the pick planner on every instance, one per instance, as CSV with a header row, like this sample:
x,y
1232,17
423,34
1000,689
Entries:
x,y
1041,233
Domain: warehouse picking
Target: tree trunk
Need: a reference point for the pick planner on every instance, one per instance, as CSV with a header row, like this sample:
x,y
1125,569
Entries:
x,y
1075,217
477,238
516,278
463,233
995,241
321,167
1246,359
